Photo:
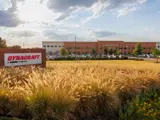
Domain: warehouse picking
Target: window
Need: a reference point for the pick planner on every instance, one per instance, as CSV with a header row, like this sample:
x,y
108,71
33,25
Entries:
x,y
88,48
51,45
78,48
50,52
59,46
48,46
55,46
44,46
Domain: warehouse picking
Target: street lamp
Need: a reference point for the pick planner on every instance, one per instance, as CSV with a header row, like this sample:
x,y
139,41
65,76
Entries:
x,y
75,47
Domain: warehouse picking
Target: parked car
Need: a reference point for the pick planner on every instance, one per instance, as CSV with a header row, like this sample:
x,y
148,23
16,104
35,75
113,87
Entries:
x,y
50,57
104,56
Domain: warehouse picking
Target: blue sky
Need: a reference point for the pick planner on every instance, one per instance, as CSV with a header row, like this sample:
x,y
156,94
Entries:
x,y
33,21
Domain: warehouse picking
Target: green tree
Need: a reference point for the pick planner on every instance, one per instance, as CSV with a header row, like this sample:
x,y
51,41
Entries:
x,y
117,52
69,52
63,52
138,49
110,51
94,51
105,51
156,53
2,43
16,46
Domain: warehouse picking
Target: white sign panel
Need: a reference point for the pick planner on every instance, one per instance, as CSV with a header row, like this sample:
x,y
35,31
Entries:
x,y
18,59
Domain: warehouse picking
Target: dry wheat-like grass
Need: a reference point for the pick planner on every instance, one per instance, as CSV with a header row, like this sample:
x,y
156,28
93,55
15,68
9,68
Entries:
x,y
85,89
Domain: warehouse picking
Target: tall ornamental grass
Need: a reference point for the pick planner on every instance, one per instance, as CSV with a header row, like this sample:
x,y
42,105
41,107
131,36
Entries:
x,y
73,91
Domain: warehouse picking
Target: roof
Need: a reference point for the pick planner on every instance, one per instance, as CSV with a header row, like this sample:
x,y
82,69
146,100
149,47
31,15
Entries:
x,y
66,41
99,41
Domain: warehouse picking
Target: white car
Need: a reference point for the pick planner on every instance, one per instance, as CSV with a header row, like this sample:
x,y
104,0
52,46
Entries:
x,y
50,57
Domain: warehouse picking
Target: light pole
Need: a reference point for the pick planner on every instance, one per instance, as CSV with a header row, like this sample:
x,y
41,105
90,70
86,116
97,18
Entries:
x,y
75,47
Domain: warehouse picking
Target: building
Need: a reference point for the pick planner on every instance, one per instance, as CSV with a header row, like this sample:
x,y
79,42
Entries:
x,y
158,45
53,48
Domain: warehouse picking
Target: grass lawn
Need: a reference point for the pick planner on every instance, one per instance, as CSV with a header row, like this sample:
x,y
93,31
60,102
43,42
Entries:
x,y
121,63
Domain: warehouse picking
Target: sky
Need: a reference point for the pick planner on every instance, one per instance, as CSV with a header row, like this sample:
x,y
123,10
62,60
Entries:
x,y
29,22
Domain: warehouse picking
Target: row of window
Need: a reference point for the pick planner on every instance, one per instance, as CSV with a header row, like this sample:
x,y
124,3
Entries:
x,y
80,48
106,48
56,46
128,48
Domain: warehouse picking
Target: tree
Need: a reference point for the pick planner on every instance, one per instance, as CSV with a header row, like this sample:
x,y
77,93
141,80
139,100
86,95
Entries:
x,y
117,52
105,51
138,49
63,52
16,46
156,53
2,43
110,51
69,52
94,51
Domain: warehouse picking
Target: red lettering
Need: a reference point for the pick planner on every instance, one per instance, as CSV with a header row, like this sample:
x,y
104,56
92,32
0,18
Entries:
x,y
9,58
38,56
14,57
33,57
22,57
18,58
26,57
29,57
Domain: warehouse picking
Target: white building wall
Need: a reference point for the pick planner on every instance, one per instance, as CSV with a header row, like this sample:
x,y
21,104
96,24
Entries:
x,y
158,45
52,48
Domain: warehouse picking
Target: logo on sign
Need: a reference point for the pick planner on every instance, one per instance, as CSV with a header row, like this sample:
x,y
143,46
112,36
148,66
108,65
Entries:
x,y
17,59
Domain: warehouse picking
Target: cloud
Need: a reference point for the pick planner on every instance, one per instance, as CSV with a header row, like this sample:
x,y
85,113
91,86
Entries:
x,y
64,9
97,7
8,17
51,34
100,33
120,7
125,11
63,5
22,33
63,36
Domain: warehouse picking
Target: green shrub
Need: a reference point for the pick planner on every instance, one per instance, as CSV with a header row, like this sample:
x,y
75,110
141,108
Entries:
x,y
87,58
144,107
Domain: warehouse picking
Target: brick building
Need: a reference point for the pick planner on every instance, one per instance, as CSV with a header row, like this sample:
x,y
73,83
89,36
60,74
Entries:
x,y
78,47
